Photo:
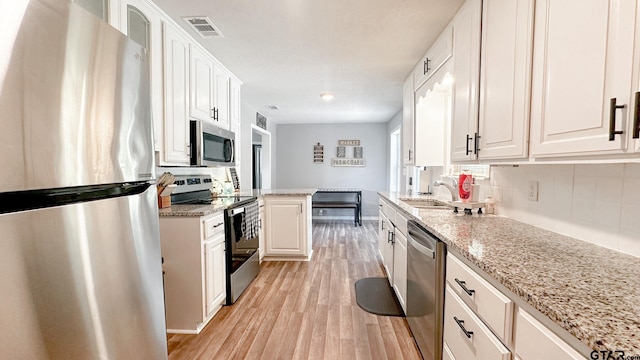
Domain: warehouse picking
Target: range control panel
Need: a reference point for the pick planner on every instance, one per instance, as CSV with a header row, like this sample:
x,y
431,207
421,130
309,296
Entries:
x,y
190,183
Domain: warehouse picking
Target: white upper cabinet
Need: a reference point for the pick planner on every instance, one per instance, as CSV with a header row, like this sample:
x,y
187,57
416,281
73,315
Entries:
x,y
408,137
432,113
210,89
582,74
466,68
235,105
437,55
176,97
201,84
221,84
505,78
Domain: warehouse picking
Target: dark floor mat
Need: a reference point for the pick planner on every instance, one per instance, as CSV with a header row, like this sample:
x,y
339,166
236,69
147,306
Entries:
x,y
376,296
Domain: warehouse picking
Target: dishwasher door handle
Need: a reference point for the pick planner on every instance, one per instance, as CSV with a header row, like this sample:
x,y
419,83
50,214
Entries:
x,y
421,248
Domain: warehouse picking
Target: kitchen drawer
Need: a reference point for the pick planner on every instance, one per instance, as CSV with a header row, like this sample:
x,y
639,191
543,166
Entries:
x,y
388,210
533,341
446,352
480,344
488,302
401,223
213,225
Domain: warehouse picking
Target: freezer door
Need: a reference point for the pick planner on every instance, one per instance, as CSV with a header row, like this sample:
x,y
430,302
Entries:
x,y
74,94
83,281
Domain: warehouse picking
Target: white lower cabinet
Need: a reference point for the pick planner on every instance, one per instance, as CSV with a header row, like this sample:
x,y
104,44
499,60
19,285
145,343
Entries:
x,y
482,322
495,309
400,268
385,237
392,245
214,273
193,249
262,226
288,227
446,353
466,335
533,341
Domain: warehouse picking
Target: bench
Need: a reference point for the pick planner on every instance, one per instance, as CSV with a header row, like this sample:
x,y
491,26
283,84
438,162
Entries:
x,y
340,199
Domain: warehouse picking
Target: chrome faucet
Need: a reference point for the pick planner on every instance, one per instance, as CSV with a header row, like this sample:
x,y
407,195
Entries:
x,y
452,189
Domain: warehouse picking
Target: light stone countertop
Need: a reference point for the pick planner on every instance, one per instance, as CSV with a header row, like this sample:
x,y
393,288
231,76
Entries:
x,y
590,291
192,210
221,203
284,192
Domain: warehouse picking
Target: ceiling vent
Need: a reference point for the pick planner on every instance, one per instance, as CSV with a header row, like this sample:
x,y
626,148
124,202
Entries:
x,y
272,107
203,26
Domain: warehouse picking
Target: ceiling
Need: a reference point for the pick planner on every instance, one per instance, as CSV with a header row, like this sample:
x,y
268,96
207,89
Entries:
x,y
288,52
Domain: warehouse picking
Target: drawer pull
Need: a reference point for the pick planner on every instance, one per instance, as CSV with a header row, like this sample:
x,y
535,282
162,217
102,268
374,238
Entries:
x,y
216,225
463,285
461,324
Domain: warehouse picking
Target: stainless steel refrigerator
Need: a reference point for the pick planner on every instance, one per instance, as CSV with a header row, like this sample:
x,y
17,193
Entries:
x,y
257,166
80,263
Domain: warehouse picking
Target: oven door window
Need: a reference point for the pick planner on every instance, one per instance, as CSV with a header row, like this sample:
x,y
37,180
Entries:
x,y
241,247
216,148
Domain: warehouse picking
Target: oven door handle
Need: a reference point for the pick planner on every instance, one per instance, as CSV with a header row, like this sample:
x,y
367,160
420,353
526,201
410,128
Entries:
x,y
237,211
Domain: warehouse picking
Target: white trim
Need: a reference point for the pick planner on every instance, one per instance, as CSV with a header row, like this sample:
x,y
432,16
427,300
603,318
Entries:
x,y
266,155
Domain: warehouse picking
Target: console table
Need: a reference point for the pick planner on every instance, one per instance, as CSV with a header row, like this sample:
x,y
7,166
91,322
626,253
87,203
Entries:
x,y
340,199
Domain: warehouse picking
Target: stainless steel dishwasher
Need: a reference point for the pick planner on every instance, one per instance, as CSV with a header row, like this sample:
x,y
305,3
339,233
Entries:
x,y
426,256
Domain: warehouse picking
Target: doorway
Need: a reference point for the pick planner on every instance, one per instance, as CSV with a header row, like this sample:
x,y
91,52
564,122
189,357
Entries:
x,y
260,158
395,162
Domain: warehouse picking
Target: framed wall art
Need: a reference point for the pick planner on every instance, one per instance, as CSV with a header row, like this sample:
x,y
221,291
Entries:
x,y
318,154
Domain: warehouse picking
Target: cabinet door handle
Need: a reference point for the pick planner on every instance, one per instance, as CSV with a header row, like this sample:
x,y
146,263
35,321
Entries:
x,y
410,153
463,285
426,67
461,324
382,226
390,237
636,117
215,114
476,143
612,119
467,152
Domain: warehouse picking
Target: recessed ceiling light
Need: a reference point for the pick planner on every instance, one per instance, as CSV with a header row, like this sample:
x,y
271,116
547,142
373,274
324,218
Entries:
x,y
272,107
326,96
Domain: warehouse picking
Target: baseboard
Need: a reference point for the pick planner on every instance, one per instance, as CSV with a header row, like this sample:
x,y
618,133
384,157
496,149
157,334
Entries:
x,y
288,258
317,217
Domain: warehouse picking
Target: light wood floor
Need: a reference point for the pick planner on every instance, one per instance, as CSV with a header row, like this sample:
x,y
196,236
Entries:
x,y
306,310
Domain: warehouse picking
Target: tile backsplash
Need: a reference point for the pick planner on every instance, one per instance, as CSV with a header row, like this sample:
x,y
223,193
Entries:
x,y
595,203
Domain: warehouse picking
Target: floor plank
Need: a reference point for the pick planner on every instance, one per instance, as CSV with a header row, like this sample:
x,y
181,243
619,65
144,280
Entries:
x,y
306,310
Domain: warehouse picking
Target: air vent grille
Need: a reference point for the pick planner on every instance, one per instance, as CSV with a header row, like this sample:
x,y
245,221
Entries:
x,y
272,107
203,26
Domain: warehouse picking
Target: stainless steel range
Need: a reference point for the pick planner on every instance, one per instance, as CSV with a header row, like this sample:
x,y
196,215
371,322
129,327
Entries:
x,y
241,229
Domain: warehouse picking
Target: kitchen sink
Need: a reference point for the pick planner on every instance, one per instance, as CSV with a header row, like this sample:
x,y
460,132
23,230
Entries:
x,y
426,203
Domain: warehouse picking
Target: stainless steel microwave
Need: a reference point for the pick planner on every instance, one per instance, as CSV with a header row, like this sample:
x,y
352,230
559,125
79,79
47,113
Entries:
x,y
211,145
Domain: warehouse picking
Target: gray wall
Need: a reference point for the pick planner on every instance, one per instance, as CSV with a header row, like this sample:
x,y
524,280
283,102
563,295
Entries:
x,y
295,167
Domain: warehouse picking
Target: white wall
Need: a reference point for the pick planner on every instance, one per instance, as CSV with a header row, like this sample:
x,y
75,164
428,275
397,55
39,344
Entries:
x,y
248,117
394,122
595,203
295,167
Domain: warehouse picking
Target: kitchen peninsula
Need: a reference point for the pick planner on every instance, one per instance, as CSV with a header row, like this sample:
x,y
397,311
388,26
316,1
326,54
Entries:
x,y
585,294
